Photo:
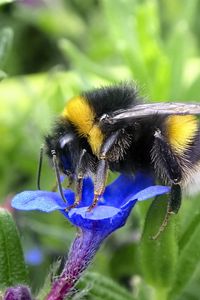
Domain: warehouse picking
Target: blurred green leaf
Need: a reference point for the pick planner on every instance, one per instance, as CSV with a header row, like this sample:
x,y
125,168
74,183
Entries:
x,y
159,257
125,257
191,290
190,221
6,1
12,266
178,52
123,34
6,38
2,75
48,281
189,255
82,62
101,287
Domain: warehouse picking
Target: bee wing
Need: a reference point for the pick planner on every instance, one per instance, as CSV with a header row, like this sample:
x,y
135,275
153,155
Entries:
x,y
146,110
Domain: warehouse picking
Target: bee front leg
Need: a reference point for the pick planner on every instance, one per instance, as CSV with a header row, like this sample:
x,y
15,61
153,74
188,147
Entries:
x,y
108,144
102,168
78,182
169,163
100,182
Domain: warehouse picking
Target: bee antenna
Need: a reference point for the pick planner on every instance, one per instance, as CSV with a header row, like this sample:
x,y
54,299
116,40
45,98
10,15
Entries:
x,y
40,167
55,164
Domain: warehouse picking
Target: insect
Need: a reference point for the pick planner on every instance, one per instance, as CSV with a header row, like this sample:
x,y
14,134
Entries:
x,y
112,128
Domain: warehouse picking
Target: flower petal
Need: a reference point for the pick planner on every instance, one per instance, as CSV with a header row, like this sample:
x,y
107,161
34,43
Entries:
x,y
38,200
111,211
148,193
126,186
98,213
50,201
151,192
99,217
103,218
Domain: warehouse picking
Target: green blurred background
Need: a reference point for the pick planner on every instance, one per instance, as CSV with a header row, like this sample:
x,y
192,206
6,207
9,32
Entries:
x,y
52,50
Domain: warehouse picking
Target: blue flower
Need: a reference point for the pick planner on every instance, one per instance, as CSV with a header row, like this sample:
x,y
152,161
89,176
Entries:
x,y
111,211
34,256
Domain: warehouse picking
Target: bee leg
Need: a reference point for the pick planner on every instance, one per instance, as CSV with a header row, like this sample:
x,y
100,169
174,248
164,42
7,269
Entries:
x,y
175,199
70,180
174,204
79,186
102,168
100,182
170,164
108,144
79,182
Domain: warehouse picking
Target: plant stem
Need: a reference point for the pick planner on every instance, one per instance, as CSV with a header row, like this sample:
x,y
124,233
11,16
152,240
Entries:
x,y
81,253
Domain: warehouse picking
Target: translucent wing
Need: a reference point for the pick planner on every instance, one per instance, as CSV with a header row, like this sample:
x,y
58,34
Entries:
x,y
146,110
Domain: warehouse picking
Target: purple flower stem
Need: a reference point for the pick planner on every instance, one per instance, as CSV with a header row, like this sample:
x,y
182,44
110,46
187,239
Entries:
x,y
82,251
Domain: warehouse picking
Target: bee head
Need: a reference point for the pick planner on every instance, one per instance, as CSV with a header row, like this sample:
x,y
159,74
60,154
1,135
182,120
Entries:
x,y
64,142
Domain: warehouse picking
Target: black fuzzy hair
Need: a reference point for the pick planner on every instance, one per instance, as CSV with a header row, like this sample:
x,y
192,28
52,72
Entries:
x,y
111,98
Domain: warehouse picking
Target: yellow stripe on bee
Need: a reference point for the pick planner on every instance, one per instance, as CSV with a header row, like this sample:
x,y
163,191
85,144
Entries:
x,y
79,113
181,131
95,139
82,116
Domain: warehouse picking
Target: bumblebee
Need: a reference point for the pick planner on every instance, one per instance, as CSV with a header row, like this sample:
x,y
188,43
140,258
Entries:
x,y
113,128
